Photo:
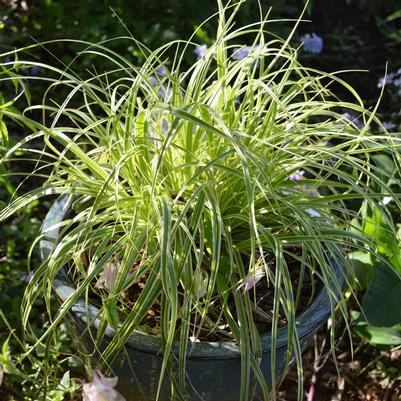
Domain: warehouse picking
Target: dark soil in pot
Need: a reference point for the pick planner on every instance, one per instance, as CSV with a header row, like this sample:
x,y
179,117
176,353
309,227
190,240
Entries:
x,y
261,296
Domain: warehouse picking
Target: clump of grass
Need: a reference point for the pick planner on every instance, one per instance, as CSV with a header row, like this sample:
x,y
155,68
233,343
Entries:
x,y
197,180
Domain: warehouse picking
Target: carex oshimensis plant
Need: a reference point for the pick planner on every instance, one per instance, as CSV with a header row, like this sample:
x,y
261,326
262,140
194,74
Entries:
x,y
199,183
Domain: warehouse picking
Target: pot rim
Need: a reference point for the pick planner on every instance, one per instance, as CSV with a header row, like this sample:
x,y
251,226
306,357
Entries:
x,y
307,323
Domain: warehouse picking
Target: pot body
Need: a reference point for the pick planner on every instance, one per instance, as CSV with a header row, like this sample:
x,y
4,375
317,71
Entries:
x,y
213,369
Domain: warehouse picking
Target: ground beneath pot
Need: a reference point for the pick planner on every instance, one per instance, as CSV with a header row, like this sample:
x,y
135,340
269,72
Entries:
x,y
371,375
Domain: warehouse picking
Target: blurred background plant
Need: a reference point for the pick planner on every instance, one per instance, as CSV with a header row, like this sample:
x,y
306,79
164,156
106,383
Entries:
x,y
45,374
341,35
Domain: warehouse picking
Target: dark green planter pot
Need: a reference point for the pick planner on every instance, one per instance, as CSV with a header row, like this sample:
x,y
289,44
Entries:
x,y
213,368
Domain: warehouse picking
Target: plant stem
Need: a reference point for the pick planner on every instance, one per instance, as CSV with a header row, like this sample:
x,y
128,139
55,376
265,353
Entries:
x,y
318,365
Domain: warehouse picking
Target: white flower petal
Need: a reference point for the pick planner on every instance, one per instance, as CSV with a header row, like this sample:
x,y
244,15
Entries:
x,y
101,388
109,275
102,381
251,280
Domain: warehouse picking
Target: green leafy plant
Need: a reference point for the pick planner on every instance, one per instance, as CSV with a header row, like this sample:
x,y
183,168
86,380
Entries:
x,y
191,188
389,28
378,268
387,336
378,272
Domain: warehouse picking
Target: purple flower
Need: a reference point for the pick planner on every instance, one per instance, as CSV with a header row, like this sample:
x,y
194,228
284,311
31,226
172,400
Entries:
x,y
27,277
241,53
312,43
101,388
200,51
297,176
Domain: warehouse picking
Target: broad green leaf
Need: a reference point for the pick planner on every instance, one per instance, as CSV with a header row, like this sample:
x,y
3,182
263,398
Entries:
x,y
377,228
363,266
381,304
379,335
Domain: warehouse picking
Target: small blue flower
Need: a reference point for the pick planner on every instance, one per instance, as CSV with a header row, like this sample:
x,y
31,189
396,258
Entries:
x,y
388,126
297,176
313,213
312,43
161,71
241,53
27,277
397,82
34,70
200,51
352,119
389,79
31,71
381,82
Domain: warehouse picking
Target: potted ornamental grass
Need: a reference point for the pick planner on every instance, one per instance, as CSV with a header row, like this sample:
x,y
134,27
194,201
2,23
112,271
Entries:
x,y
201,219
